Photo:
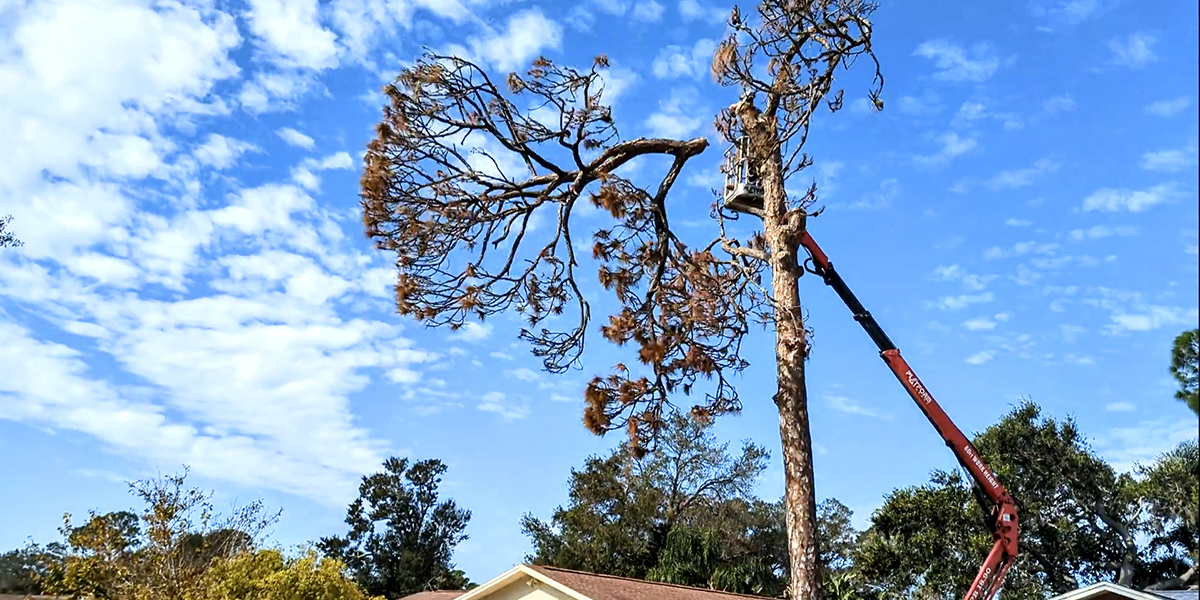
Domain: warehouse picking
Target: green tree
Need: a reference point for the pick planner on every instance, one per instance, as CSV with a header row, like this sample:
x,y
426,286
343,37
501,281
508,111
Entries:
x,y
22,569
622,510
401,537
1170,492
1185,366
269,575
1081,521
164,552
7,239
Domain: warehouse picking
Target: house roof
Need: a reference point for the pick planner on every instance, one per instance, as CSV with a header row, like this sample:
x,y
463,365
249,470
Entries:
x,y
1099,589
579,585
610,587
440,595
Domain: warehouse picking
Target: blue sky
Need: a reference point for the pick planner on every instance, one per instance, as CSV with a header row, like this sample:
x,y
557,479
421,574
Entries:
x,y
195,287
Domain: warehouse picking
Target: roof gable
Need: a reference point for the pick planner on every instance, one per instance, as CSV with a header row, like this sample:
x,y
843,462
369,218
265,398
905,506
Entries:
x,y
1097,590
609,587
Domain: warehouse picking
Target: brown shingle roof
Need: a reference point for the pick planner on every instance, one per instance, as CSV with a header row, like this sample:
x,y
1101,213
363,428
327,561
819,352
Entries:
x,y
441,595
609,587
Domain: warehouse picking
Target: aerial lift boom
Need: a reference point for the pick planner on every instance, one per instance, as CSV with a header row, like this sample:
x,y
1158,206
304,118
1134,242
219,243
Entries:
x,y
743,194
1002,513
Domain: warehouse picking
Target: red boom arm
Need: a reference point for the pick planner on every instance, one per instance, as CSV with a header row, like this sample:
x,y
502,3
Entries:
x,y
1003,512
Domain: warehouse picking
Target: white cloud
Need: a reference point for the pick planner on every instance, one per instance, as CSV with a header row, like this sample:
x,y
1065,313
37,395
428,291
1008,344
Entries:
x,y
526,34
499,403
1019,249
1101,231
648,11
952,146
221,152
617,80
971,111
880,198
693,10
1013,222
612,7
677,61
1120,407
291,34
1170,160
1059,103
1130,312
524,374
1069,12
1115,200
980,357
1022,177
964,300
1169,108
274,91
1142,443
953,63
846,405
305,174
1135,50
472,331
678,116
363,22
980,324
295,138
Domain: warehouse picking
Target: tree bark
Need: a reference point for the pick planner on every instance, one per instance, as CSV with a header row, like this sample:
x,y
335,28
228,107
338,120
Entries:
x,y
782,230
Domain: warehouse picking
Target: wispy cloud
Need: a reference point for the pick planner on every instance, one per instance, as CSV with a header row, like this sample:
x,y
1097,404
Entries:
x,y
295,138
1120,407
1117,200
880,198
1171,161
1022,177
679,61
472,331
964,300
952,145
525,35
499,403
1169,108
1058,104
980,357
848,406
954,63
1135,50
1097,232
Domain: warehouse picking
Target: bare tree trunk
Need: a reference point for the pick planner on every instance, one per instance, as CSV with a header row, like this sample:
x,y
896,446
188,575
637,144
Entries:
x,y
782,229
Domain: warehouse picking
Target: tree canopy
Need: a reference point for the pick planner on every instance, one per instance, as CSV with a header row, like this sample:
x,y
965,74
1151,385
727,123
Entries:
x,y
1185,367
1081,520
401,537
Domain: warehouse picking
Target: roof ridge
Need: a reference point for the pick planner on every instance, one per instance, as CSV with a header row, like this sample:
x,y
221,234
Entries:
x,y
648,582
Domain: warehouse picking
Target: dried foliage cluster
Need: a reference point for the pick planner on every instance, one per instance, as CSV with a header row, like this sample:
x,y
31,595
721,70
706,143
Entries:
x,y
460,172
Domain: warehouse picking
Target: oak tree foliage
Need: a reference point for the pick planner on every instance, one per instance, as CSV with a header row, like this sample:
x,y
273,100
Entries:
x,y
1082,521
402,535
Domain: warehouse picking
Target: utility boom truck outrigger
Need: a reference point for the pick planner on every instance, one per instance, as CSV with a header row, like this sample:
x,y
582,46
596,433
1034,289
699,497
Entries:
x,y
743,195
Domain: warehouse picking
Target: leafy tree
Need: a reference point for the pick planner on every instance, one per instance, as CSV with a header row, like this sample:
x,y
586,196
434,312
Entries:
x,y
269,575
401,536
164,552
1185,366
1170,491
22,570
1081,521
459,170
7,239
622,510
